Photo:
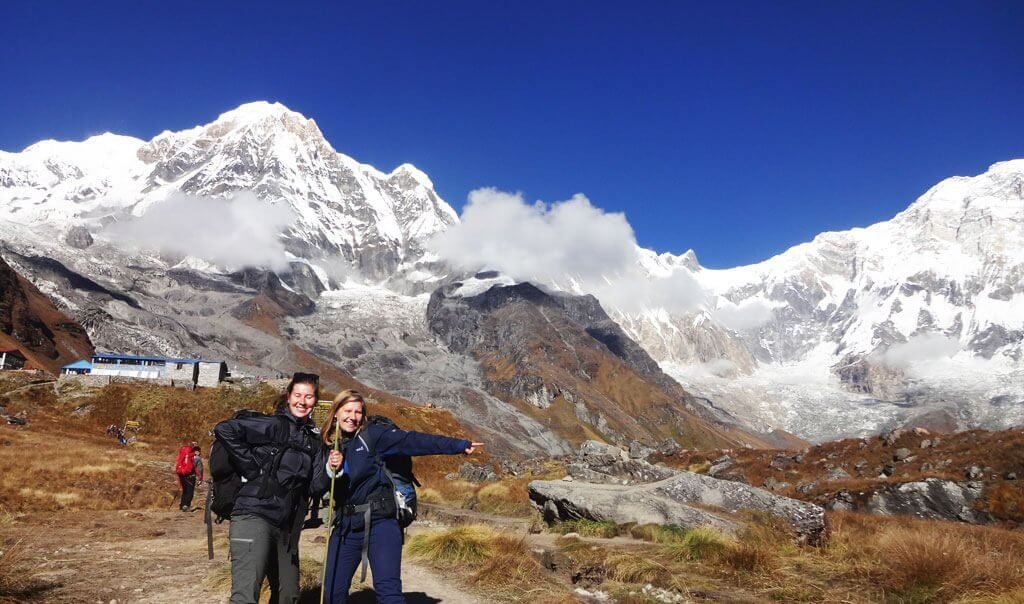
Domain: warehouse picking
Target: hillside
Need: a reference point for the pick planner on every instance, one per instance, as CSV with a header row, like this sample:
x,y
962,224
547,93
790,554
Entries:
x,y
30,322
912,471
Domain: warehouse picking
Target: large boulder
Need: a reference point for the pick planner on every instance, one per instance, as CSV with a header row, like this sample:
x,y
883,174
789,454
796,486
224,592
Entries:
x,y
931,498
683,499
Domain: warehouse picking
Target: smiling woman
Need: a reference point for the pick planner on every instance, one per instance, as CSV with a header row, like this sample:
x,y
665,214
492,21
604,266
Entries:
x,y
281,462
303,394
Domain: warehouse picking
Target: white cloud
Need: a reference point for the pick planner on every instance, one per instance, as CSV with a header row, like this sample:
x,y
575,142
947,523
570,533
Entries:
x,y
747,315
240,231
570,244
922,347
501,231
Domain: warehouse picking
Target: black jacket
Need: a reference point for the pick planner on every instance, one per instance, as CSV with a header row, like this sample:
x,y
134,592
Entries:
x,y
252,442
364,481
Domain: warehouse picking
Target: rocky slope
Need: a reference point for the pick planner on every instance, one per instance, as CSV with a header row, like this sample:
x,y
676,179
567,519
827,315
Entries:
x,y
562,361
29,322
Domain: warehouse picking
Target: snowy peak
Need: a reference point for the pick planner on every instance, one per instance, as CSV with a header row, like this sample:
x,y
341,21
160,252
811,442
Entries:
x,y
343,209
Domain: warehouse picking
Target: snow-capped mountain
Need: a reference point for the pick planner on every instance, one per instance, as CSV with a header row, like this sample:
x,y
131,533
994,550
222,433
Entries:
x,y
341,208
920,318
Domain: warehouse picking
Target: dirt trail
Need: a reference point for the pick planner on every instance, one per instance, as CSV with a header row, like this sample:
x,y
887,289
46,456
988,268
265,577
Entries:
x,y
160,557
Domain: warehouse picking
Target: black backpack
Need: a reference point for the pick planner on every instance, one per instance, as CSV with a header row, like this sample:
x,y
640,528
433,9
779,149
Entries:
x,y
225,482
397,469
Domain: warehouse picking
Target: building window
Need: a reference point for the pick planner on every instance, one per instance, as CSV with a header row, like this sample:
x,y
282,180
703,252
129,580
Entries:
x,y
178,365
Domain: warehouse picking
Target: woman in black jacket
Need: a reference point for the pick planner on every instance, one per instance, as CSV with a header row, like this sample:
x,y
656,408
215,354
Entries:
x,y
366,524
281,460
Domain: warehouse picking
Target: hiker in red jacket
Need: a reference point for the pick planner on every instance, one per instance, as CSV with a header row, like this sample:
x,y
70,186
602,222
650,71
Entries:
x,y
189,468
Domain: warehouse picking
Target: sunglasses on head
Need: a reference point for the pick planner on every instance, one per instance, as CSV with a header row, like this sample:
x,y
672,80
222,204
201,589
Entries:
x,y
299,377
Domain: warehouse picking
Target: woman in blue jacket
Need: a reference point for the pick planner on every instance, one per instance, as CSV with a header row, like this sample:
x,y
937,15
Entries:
x,y
366,524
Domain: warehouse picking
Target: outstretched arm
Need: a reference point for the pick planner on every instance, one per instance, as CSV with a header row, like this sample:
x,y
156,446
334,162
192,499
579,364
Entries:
x,y
399,442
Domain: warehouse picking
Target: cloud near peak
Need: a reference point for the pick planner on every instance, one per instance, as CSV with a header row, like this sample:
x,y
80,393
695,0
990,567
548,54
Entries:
x,y
235,232
570,244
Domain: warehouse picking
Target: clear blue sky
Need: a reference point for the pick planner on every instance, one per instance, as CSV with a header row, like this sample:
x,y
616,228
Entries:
x,y
734,128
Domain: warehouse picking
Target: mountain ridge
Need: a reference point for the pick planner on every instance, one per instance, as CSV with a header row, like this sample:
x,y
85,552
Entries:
x,y
837,336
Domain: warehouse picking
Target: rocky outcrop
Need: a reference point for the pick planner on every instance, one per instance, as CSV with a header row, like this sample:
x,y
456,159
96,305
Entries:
x,y
604,483
683,499
932,499
78,237
270,286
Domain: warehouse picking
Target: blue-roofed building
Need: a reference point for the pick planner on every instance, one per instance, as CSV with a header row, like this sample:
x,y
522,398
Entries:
x,y
196,372
82,367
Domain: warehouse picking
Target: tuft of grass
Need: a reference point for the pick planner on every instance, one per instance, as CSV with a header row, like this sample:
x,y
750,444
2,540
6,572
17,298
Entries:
x,y
749,557
659,533
633,568
16,568
949,563
701,544
429,495
495,563
588,528
309,575
468,544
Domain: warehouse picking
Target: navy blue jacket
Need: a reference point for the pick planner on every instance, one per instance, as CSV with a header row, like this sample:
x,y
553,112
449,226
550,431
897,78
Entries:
x,y
251,443
364,479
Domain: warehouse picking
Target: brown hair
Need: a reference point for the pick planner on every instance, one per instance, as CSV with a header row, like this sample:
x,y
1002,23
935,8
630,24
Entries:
x,y
344,397
298,378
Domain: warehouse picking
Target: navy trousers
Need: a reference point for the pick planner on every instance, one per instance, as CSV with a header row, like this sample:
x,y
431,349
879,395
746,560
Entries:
x,y
344,554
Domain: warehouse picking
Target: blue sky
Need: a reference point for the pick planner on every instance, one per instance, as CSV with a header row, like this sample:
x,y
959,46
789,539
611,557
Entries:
x,y
737,129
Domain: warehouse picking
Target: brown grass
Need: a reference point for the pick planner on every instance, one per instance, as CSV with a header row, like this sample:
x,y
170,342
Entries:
x,y
863,559
16,568
493,562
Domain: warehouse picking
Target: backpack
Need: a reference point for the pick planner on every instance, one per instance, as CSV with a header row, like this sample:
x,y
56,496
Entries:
x,y
184,467
398,470
225,482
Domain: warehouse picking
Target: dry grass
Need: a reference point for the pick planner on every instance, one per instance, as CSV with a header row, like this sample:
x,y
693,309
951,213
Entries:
x,y
468,544
701,544
16,568
635,568
495,563
588,528
864,559
658,533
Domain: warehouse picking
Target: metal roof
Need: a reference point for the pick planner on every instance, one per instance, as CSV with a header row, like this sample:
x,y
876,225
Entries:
x,y
141,357
83,364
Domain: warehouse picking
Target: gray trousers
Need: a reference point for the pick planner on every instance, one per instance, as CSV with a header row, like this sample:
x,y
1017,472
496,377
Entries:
x,y
259,549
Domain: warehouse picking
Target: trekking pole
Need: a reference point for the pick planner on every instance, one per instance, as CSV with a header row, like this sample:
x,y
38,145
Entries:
x,y
330,519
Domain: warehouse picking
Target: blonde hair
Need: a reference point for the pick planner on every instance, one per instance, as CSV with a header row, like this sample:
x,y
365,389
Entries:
x,y
330,423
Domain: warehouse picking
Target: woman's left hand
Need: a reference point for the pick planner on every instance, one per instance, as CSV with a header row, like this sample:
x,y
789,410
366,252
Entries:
x,y
472,447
